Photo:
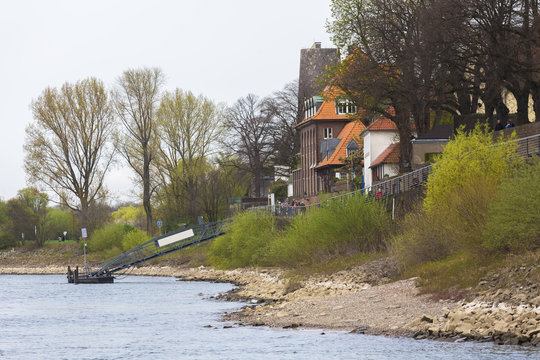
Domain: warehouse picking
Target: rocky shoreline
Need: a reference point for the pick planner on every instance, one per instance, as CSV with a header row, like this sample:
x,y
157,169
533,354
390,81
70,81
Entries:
x,y
366,300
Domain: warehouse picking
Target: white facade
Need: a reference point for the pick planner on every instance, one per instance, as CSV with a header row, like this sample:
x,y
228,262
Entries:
x,y
375,142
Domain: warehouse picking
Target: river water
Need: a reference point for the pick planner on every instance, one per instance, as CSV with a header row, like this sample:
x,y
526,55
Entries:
x,y
44,317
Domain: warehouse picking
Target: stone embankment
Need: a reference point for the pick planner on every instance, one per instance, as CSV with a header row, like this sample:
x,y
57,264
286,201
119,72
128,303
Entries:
x,y
501,311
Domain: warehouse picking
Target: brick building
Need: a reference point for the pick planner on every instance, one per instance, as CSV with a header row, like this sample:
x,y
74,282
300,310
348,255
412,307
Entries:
x,y
327,134
322,124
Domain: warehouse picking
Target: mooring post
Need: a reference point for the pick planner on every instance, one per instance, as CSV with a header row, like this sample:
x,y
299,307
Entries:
x,y
69,275
76,277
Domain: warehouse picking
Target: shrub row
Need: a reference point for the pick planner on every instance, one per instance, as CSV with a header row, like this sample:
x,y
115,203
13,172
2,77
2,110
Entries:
x,y
115,238
336,228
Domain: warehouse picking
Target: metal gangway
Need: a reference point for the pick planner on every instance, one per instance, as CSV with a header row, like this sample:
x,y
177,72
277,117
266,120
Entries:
x,y
154,248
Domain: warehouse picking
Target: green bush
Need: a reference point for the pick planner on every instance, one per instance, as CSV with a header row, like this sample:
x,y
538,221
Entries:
x,y
279,189
134,238
245,241
337,228
464,181
108,238
470,157
459,193
513,221
7,242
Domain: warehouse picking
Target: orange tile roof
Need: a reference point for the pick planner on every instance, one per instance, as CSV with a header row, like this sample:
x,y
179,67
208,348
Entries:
x,y
382,124
389,156
351,130
327,110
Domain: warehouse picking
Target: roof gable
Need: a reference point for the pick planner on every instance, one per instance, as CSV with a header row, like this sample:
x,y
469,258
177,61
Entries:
x,y
350,132
388,156
381,124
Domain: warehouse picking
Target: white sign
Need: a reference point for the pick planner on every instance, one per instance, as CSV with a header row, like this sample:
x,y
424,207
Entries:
x,y
83,233
175,237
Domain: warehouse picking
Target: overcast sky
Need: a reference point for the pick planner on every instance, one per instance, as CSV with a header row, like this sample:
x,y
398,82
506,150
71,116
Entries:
x,y
223,49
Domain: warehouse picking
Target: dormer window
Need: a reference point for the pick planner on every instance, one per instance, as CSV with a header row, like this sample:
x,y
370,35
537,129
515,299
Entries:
x,y
311,106
327,134
345,107
352,146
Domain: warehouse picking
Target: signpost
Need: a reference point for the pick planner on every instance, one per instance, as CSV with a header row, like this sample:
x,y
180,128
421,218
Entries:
x,y
159,223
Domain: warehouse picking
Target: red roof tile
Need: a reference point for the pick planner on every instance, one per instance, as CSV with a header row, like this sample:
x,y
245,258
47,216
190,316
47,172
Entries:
x,y
351,130
389,156
382,124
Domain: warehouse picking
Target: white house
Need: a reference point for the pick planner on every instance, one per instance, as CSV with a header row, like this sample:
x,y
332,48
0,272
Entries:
x,y
381,151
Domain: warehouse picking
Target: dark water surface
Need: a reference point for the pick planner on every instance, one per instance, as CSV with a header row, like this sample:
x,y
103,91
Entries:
x,y
44,317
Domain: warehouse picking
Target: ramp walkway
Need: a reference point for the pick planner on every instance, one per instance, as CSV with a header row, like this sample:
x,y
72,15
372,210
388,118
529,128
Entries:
x,y
152,249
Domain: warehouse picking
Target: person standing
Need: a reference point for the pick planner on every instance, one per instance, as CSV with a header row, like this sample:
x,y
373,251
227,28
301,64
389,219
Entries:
x,y
509,124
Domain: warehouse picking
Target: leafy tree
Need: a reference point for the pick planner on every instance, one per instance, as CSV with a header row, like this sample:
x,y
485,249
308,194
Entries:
x,y
57,221
133,215
68,147
37,202
187,129
136,99
22,221
353,164
399,62
109,238
5,224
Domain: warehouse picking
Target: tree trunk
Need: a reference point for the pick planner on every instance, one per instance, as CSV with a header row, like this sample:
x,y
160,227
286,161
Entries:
x,y
535,92
522,101
146,191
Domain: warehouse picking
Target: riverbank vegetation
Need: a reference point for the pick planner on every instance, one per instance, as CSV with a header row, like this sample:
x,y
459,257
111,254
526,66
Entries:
x,y
480,213
335,229
480,209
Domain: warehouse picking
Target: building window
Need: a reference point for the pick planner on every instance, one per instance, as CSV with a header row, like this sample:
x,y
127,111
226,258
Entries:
x,y
327,133
345,106
308,106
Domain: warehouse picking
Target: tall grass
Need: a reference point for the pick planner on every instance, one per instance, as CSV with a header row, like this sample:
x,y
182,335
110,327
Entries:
x,y
245,242
337,228
513,221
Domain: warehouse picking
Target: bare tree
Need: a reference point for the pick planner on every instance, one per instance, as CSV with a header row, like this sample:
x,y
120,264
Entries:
x,y
68,147
217,185
507,35
135,100
282,106
400,62
249,138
